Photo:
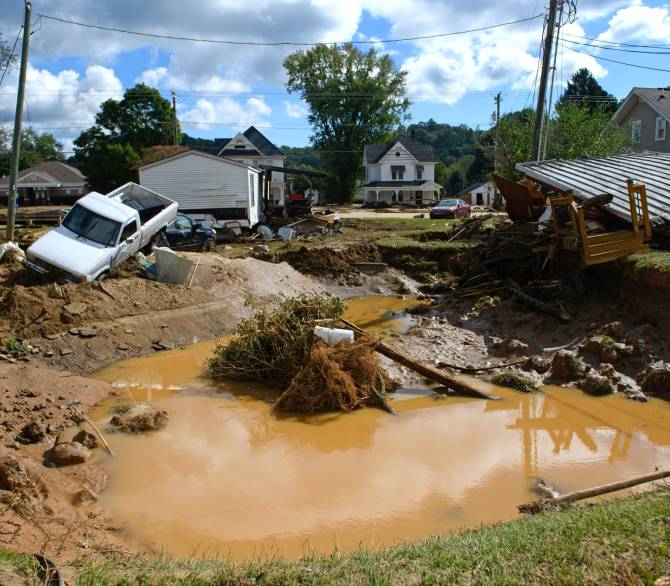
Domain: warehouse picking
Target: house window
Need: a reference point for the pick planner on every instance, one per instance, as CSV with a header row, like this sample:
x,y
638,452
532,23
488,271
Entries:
x,y
397,172
419,172
637,131
660,128
397,153
239,146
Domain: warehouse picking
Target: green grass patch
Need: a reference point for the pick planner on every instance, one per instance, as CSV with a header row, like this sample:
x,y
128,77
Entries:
x,y
657,260
15,347
625,541
405,240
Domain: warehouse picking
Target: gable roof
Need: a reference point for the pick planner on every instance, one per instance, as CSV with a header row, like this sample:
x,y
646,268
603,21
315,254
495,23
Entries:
x,y
263,146
657,99
52,173
423,153
223,160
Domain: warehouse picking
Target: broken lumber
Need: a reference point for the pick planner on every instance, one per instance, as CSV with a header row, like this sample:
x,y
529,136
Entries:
x,y
536,303
95,429
579,495
429,372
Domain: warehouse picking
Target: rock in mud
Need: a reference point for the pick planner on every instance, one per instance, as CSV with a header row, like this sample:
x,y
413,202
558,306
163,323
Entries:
x,y
609,355
615,329
593,345
596,384
13,477
86,438
68,454
84,497
537,363
526,382
655,379
140,418
31,433
566,365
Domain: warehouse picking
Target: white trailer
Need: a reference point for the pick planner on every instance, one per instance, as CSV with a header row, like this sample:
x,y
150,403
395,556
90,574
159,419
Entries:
x,y
205,186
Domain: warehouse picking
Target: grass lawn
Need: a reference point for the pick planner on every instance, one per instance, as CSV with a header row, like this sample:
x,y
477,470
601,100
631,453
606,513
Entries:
x,y
657,260
624,541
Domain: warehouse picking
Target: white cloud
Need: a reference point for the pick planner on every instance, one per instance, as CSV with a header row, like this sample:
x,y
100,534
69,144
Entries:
x,y
209,114
63,103
295,110
638,22
152,77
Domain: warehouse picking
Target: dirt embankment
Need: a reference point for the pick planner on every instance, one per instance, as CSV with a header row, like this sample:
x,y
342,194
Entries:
x,y
83,327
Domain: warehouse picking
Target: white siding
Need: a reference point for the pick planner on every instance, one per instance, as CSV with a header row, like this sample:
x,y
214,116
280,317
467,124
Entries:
x,y
200,182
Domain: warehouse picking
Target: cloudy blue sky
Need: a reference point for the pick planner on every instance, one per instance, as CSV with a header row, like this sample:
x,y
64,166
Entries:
x,y
224,88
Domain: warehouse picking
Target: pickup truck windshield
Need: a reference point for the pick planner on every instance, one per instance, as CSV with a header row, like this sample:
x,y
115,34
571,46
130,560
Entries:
x,y
88,224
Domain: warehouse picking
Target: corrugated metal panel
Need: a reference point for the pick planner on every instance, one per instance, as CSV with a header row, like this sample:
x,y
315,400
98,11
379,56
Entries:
x,y
199,182
596,175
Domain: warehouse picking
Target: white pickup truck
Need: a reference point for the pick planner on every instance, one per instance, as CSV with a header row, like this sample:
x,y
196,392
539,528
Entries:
x,y
100,232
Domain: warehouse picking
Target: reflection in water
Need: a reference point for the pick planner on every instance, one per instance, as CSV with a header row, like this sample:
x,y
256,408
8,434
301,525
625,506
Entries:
x,y
227,475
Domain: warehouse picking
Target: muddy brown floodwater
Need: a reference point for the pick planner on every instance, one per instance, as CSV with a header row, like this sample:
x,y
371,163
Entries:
x,y
229,477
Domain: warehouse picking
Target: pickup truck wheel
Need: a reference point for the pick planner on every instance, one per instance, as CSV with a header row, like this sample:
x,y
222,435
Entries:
x,y
208,245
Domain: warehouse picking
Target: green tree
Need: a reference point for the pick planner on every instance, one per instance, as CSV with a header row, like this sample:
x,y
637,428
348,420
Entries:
x,y
575,130
354,98
123,130
35,149
584,89
7,59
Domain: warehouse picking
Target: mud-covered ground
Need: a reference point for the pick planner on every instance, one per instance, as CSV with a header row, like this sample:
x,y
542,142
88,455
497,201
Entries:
x,y
60,332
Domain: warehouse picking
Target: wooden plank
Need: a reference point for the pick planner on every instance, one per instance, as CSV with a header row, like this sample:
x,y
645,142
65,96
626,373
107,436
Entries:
x,y
443,378
591,492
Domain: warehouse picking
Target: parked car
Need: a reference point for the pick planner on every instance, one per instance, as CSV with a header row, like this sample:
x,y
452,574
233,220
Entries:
x,y
450,208
184,233
100,232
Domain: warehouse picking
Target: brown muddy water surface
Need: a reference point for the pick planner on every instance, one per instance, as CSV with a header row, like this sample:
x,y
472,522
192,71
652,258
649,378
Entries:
x,y
229,477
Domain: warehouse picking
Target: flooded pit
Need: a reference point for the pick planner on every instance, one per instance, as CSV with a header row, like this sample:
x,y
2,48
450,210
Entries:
x,y
229,477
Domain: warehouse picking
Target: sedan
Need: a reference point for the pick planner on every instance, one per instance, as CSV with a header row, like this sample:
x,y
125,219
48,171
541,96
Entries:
x,y
450,209
184,233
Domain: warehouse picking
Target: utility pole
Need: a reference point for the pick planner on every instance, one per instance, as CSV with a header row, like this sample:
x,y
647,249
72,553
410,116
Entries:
x,y
174,118
542,93
545,139
18,119
496,194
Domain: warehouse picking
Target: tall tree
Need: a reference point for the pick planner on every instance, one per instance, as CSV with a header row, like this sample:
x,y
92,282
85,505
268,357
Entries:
x,y
123,130
354,98
35,149
584,89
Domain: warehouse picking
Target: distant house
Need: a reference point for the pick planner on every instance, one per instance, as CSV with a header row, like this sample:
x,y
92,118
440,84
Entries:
x,y
400,171
645,113
206,185
251,147
51,182
480,194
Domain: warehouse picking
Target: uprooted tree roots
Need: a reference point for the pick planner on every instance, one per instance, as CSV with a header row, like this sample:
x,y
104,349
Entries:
x,y
277,346
342,378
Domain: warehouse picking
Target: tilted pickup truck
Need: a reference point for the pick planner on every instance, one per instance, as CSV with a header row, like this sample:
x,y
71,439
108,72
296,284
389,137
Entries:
x,y
100,232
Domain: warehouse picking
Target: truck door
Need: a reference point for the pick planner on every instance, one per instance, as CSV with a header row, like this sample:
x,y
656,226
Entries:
x,y
129,242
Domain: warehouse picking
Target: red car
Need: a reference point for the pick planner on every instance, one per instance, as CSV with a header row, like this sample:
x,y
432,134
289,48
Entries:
x,y
450,209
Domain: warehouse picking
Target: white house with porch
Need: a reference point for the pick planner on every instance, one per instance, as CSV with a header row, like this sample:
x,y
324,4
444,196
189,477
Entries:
x,y
402,171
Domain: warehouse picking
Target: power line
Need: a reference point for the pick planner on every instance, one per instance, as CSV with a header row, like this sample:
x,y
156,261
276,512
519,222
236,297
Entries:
x,y
287,43
615,61
11,55
604,48
661,46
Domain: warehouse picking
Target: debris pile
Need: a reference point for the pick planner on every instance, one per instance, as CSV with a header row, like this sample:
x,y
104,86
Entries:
x,y
277,345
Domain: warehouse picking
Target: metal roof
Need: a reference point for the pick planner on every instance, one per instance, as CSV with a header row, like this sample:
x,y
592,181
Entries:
x,y
592,176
